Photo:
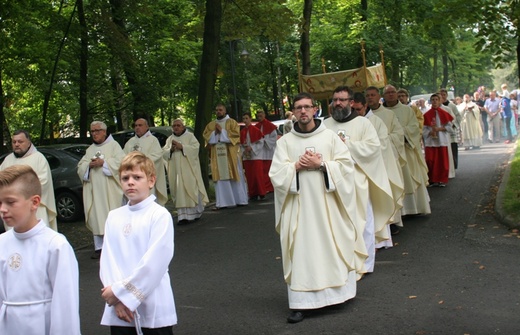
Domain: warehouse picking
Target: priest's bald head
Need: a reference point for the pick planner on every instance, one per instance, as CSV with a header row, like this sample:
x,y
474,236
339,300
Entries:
x,y
390,95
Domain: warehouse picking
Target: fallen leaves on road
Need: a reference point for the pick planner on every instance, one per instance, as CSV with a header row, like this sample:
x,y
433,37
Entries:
x,y
441,302
412,297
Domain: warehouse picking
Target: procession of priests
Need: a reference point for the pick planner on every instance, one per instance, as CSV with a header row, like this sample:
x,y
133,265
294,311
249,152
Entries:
x,y
341,183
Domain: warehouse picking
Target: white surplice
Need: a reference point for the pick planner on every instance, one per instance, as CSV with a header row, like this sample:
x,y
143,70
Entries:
x,y
137,251
39,283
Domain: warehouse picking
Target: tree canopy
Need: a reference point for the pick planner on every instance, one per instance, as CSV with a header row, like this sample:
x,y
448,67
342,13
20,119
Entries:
x,y
64,64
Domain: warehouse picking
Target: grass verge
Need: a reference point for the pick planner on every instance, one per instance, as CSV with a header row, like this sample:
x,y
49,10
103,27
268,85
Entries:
x,y
511,201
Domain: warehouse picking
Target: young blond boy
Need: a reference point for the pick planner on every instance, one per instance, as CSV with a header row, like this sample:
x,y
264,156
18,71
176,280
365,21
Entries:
x,y
137,251
39,291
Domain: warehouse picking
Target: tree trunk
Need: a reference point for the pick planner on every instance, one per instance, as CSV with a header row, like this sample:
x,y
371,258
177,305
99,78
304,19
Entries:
x,y
120,46
208,77
118,93
47,97
83,71
445,68
434,70
2,115
305,46
364,18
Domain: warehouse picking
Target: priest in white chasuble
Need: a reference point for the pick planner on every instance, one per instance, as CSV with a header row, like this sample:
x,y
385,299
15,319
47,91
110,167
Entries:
x,y
102,192
415,172
393,170
181,152
25,153
373,193
322,247
149,145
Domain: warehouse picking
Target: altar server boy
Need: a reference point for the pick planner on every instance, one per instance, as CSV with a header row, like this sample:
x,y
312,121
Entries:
x,y
39,291
137,251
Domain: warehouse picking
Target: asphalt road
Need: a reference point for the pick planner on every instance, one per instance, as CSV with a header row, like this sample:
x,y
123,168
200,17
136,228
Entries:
x,y
455,271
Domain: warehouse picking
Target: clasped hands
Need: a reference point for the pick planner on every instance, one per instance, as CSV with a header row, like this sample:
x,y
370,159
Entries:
x,y
122,312
308,161
176,145
96,162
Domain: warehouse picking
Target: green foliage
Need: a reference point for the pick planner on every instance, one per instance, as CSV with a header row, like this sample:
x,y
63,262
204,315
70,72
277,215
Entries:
x,y
145,55
498,28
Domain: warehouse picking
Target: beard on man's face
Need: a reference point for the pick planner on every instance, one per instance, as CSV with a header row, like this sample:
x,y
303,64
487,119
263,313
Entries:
x,y
339,113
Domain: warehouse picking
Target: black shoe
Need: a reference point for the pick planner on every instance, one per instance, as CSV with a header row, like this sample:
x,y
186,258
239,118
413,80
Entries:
x,y
296,316
182,222
96,254
394,230
261,197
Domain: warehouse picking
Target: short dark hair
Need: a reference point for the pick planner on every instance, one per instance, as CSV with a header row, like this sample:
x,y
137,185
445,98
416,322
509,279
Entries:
x,y
25,132
360,97
344,89
303,95
435,95
372,88
248,114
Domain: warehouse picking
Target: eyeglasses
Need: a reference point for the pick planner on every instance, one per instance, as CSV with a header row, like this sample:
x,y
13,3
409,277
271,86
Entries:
x,y
341,99
306,107
94,131
390,92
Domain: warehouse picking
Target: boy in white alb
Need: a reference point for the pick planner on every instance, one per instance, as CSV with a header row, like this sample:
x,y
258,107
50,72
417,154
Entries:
x,y
39,292
137,251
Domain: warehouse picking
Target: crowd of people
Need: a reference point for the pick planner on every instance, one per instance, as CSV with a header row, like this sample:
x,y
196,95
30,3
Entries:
x,y
485,116
341,187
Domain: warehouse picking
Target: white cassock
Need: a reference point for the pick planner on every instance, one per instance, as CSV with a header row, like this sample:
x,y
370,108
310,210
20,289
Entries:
x,y
185,178
415,172
373,193
39,283
149,145
322,247
101,189
137,251
38,162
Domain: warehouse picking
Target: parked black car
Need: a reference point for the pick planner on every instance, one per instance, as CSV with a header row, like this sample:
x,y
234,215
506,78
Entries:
x,y
162,133
68,189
